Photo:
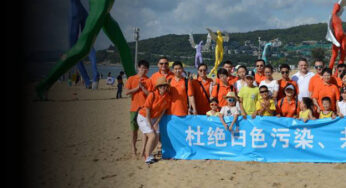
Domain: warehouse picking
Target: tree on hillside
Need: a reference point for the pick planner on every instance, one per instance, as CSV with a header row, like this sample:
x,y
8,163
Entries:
x,y
318,53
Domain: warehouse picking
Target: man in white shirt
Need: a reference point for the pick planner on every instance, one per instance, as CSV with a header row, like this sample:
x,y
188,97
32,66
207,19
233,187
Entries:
x,y
302,77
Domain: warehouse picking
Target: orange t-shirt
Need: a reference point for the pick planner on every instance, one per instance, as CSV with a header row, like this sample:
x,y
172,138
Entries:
x,y
179,98
196,90
287,108
282,84
223,90
231,80
338,81
317,80
326,90
157,75
137,98
156,103
259,78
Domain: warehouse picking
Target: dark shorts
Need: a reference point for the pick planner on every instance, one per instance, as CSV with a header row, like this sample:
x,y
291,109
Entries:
x,y
133,122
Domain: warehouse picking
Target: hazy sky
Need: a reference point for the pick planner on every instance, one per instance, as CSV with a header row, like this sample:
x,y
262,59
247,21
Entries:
x,y
46,21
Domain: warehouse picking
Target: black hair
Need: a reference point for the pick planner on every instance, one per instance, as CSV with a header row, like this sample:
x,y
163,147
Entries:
x,y
327,70
269,67
263,86
342,65
242,66
109,73
303,59
342,90
326,99
229,62
343,74
319,60
202,64
222,71
308,102
175,63
285,66
122,72
163,57
260,60
214,100
144,63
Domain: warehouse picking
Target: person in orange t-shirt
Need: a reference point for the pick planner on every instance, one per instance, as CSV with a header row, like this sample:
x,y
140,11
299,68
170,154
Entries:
x,y
340,68
316,80
164,71
288,105
230,68
149,116
327,89
259,76
137,86
199,90
285,73
178,91
221,90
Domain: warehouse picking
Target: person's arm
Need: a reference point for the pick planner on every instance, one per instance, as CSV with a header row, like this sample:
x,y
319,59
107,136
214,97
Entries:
x,y
223,121
193,104
132,91
333,115
270,107
235,117
158,120
145,90
311,116
243,113
339,111
316,104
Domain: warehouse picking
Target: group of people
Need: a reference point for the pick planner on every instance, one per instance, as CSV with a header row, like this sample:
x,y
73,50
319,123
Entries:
x,y
305,96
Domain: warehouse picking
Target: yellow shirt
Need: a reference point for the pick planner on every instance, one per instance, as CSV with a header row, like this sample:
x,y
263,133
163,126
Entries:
x,y
328,115
249,97
272,106
304,114
209,113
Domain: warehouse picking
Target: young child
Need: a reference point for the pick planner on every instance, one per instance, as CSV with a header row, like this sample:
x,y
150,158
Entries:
x,y
248,96
341,107
266,105
230,110
214,106
305,113
327,112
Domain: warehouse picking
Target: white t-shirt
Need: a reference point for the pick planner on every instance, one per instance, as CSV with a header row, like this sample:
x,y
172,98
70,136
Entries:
x,y
227,111
273,86
342,107
239,84
303,83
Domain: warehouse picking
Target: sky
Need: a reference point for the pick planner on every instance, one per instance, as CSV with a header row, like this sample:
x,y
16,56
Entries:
x,y
46,21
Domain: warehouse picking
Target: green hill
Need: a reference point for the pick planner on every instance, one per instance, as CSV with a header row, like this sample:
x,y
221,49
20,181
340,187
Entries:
x,y
177,47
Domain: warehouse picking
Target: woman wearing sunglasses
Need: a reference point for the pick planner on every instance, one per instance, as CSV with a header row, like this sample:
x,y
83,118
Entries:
x,y
285,80
199,90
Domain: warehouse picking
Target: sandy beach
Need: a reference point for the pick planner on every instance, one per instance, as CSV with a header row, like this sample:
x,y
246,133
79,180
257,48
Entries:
x,y
81,138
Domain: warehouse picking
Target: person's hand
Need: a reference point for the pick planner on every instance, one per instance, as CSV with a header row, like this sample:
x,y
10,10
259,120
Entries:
x,y
230,128
194,112
253,115
155,126
333,116
244,116
278,115
341,115
318,109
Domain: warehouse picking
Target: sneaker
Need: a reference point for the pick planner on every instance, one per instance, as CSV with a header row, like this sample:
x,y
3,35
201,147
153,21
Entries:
x,y
150,159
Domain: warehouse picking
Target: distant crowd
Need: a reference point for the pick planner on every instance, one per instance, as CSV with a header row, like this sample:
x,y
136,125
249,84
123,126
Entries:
x,y
305,95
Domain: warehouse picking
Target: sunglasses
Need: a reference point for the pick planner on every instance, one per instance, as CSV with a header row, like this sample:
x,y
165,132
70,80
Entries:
x,y
259,65
231,100
266,91
213,104
163,63
319,67
202,70
284,72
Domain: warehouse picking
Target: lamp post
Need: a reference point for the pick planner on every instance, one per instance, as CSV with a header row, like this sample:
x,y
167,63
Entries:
x,y
259,47
136,36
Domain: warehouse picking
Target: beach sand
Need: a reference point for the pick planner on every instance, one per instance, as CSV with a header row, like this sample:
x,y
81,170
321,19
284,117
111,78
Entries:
x,y
81,138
